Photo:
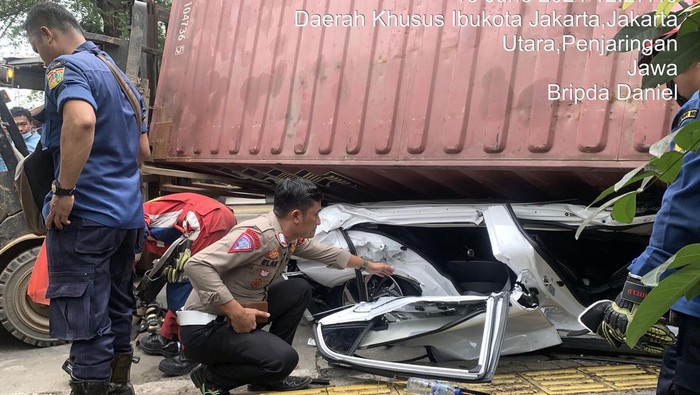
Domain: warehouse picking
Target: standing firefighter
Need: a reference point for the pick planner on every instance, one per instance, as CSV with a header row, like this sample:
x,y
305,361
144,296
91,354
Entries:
x,y
204,221
94,213
677,225
238,289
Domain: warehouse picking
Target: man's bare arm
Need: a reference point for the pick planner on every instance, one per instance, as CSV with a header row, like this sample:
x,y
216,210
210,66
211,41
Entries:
x,y
144,149
77,136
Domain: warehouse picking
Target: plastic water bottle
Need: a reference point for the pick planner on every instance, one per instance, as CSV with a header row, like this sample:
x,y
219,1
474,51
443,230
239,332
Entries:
x,y
416,385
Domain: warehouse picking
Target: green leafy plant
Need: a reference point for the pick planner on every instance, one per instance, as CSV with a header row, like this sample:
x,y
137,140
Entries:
x,y
679,276
685,281
109,17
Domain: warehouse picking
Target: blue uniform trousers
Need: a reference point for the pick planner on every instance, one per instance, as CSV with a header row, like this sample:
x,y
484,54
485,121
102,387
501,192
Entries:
x,y
680,369
91,292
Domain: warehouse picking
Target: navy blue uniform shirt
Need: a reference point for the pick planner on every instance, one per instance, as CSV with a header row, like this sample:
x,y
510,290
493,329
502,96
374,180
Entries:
x,y
678,221
108,189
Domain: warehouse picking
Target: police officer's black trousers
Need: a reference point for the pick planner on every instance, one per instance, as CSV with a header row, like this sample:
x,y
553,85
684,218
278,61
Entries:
x,y
680,369
259,357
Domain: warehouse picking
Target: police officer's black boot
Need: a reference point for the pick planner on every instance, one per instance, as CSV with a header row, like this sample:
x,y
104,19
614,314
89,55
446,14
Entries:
x,y
88,387
119,383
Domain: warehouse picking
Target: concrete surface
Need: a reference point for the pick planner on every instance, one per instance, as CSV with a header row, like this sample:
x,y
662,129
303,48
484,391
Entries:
x,y
27,370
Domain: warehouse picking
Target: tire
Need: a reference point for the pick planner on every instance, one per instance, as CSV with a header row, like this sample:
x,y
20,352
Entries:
x,y
377,287
21,317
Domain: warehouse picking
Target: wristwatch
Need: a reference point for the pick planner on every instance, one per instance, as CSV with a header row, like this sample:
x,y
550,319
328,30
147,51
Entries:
x,y
58,191
364,265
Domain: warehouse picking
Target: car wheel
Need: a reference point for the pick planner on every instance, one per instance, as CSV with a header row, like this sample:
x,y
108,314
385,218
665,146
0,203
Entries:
x,y
347,294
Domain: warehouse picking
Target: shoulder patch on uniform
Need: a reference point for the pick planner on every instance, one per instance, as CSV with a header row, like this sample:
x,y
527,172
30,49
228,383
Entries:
x,y
688,115
273,254
264,273
253,236
54,76
244,243
282,239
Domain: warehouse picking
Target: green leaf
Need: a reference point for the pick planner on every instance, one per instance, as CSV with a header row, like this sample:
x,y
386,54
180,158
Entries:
x,y
691,23
625,180
692,9
688,137
660,147
610,190
693,292
627,3
686,53
653,278
687,255
659,301
645,182
665,7
629,181
599,210
667,166
624,209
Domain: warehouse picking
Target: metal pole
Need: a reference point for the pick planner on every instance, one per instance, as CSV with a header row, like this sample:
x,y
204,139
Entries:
x,y
9,121
8,155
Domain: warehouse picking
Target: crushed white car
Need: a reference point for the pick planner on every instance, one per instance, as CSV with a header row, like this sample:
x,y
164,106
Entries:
x,y
472,282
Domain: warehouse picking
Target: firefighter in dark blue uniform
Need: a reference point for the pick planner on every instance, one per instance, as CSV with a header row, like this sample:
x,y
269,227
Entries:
x,y
94,213
677,224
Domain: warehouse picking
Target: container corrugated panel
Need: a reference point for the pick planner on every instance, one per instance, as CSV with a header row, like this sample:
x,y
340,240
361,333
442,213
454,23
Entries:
x,y
389,111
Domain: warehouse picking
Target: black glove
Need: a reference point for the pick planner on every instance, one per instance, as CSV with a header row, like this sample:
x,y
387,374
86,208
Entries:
x,y
621,312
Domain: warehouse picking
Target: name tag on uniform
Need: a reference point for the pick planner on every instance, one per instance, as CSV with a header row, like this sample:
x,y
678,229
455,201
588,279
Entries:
x,y
269,262
688,115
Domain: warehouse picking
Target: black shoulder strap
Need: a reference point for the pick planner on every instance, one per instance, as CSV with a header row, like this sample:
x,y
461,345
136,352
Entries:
x,y
125,88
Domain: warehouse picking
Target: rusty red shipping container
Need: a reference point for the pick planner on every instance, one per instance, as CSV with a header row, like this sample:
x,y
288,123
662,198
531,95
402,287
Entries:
x,y
382,112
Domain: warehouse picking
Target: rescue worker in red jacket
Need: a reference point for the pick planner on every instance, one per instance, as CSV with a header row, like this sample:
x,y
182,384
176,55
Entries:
x,y
205,220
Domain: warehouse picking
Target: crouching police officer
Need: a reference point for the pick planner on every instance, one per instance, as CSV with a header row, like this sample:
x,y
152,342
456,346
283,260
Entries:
x,y
221,324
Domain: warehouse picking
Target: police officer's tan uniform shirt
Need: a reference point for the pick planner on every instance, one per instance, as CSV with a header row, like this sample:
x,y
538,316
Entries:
x,y
247,260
